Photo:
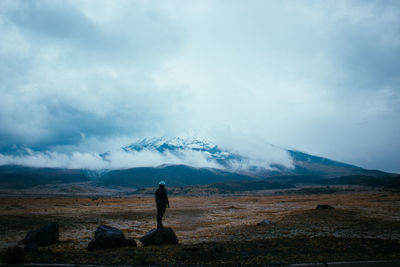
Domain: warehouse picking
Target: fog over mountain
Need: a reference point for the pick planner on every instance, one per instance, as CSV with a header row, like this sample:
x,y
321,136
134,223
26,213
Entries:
x,y
153,152
184,162
257,78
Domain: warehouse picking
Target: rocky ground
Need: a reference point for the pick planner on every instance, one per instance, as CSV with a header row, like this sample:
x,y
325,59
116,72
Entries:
x,y
215,229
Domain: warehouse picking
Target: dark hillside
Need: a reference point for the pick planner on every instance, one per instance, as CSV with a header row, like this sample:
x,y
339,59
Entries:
x,y
174,175
389,181
14,176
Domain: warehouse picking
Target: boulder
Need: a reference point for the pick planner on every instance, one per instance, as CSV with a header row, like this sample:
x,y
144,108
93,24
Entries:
x,y
44,236
159,236
324,207
109,237
264,223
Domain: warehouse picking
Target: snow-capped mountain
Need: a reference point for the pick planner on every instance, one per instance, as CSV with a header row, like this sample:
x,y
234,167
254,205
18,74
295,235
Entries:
x,y
178,146
204,153
180,161
290,162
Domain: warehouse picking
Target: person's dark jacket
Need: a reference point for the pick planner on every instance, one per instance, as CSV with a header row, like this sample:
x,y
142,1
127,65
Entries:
x,y
161,197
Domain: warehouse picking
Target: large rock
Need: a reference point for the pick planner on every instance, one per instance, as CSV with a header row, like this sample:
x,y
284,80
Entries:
x,y
109,237
30,248
159,236
44,236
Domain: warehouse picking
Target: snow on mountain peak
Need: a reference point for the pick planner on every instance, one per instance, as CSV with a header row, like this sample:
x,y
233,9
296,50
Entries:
x,y
162,144
192,148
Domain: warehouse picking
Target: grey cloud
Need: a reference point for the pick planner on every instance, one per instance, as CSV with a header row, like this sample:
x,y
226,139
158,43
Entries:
x,y
64,75
368,62
54,20
322,77
132,35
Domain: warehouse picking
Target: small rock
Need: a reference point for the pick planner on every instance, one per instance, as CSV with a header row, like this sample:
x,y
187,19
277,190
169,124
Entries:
x,y
324,207
159,236
14,255
264,223
44,236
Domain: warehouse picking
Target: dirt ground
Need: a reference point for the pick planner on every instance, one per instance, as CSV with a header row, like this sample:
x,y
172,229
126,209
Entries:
x,y
371,220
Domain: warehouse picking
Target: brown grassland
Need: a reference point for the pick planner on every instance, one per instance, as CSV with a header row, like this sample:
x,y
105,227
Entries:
x,y
214,230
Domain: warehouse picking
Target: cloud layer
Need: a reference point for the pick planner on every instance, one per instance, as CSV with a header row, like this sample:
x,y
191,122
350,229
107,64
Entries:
x,y
322,77
117,159
243,158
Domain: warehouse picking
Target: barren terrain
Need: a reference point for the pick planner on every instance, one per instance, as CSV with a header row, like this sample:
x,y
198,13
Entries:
x,y
364,225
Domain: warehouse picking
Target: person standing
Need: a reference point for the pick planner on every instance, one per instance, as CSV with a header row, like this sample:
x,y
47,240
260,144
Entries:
x,y
162,202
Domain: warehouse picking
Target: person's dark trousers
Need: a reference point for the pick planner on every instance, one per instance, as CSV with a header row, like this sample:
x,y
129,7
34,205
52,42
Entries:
x,y
160,214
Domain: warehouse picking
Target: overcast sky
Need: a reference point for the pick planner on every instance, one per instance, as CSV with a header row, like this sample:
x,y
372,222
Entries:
x,y
318,76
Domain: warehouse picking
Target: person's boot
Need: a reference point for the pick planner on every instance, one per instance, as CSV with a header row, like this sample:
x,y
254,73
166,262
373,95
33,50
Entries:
x,y
159,225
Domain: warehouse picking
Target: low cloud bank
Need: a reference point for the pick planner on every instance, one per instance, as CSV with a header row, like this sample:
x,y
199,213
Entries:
x,y
253,157
117,159
255,150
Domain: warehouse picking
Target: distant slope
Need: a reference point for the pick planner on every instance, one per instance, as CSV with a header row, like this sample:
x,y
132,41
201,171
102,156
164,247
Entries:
x,y
174,175
13,176
388,181
306,164
19,177
299,156
230,187
235,186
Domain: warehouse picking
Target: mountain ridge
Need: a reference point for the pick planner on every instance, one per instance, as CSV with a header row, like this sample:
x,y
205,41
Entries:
x,y
307,169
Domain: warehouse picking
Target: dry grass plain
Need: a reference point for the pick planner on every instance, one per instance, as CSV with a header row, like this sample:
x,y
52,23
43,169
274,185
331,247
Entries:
x,y
201,223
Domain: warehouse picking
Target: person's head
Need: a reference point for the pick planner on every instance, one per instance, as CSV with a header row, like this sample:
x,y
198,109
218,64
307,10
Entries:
x,y
161,184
